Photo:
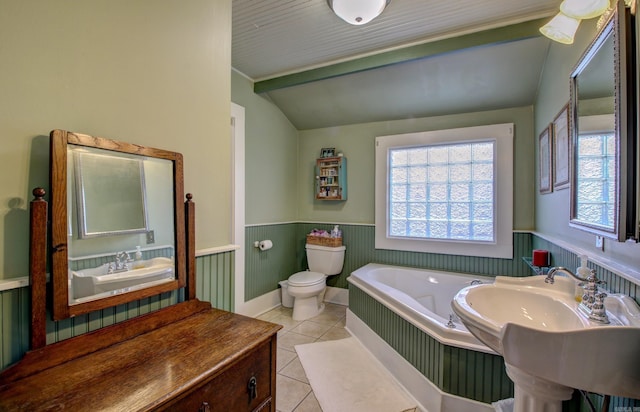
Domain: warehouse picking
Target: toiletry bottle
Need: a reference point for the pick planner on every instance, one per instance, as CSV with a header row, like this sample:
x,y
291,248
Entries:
x,y
583,271
335,232
138,262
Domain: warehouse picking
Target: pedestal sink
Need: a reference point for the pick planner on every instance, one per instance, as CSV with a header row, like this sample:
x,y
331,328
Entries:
x,y
549,346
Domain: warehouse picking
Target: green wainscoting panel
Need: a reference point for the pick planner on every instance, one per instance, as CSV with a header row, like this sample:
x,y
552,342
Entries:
x,y
14,325
215,279
470,374
360,241
264,269
214,283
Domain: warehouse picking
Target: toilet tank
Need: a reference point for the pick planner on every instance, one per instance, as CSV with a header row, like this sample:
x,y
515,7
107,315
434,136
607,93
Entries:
x,y
324,259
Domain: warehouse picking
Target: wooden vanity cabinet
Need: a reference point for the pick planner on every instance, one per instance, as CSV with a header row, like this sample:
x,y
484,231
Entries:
x,y
204,359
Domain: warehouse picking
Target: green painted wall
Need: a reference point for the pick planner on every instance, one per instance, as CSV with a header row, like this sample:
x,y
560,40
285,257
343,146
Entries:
x,y
357,143
156,76
271,152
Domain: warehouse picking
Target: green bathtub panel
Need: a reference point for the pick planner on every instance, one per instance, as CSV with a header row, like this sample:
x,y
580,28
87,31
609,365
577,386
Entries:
x,y
474,375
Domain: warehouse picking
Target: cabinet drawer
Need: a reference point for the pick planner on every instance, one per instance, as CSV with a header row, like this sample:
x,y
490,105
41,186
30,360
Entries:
x,y
230,391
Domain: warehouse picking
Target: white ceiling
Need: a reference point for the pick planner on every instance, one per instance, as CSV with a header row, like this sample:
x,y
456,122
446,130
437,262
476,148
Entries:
x,y
274,38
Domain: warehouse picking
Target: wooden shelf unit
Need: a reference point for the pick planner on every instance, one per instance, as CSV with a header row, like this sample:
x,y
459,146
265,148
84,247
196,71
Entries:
x,y
331,178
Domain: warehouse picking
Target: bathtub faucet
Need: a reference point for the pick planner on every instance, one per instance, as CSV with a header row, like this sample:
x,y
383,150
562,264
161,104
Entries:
x,y
592,303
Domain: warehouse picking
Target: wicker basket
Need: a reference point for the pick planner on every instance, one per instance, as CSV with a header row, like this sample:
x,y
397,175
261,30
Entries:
x,y
324,241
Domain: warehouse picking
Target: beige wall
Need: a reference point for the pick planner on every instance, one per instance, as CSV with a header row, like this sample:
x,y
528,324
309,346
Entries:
x,y
154,73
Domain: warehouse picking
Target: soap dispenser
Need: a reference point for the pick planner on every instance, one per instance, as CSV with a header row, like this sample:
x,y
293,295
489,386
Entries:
x,y
584,272
138,262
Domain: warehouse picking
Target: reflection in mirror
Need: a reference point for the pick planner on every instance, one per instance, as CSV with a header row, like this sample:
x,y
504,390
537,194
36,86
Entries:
x,y
110,192
602,132
117,233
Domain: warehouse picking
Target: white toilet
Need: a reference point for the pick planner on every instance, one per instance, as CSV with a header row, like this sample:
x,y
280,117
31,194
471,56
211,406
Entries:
x,y
308,287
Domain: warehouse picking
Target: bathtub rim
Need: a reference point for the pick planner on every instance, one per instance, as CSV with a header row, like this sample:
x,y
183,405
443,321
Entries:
x,y
465,339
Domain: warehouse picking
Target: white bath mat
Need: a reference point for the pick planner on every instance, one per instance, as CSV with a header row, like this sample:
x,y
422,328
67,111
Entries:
x,y
346,378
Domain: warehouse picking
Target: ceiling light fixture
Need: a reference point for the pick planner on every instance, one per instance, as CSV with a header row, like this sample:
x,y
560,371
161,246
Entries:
x,y
357,12
584,9
561,28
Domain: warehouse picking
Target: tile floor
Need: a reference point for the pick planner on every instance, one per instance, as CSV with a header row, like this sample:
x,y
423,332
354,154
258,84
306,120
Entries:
x,y
293,392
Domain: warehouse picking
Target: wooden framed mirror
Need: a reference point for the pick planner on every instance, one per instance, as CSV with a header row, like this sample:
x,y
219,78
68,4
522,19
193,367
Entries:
x,y
603,131
137,247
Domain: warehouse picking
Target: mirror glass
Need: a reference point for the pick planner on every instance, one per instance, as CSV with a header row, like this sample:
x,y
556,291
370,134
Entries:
x,y
599,105
110,192
117,232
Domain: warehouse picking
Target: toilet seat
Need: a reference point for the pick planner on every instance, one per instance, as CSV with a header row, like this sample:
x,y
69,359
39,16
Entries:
x,y
306,278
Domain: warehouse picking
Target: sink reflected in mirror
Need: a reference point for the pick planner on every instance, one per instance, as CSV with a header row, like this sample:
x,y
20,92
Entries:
x,y
95,283
549,346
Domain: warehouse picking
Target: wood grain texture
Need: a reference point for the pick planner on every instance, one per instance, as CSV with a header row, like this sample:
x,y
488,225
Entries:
x,y
38,269
59,140
153,370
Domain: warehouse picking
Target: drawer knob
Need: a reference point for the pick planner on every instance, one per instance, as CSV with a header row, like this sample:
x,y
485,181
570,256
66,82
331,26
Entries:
x,y
252,388
204,407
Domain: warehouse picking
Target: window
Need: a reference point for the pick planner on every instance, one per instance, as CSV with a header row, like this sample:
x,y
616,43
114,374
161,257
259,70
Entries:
x,y
447,191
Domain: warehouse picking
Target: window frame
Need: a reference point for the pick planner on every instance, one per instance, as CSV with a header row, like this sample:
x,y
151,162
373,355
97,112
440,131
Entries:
x,y
502,246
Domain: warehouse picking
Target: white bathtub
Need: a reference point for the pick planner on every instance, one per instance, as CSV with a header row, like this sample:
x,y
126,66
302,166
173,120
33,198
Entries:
x,y
423,298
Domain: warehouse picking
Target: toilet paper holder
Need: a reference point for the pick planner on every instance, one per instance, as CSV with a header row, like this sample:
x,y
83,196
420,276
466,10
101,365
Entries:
x,y
263,244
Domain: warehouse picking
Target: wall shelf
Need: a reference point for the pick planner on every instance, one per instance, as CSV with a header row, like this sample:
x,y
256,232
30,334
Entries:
x,y
331,178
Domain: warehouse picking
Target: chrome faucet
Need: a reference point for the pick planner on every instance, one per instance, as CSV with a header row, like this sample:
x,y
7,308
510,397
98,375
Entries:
x,y
121,264
592,303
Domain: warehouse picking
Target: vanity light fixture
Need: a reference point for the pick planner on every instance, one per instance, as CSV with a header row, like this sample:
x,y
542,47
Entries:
x,y
358,12
561,28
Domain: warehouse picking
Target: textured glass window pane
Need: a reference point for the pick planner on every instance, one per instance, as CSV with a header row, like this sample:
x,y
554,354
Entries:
x,y
417,174
398,227
438,174
398,157
460,173
438,154
590,212
418,193
483,172
418,156
398,175
398,210
483,192
590,146
610,144
460,230
438,230
590,191
460,192
482,231
482,151
438,211
399,193
460,211
460,153
417,211
590,167
483,212
437,191
418,229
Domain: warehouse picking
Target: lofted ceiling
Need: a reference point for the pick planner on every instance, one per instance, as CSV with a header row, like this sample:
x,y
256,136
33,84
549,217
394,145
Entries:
x,y
418,58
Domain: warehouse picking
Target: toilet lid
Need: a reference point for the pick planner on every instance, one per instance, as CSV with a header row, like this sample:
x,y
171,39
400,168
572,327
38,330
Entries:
x,y
306,278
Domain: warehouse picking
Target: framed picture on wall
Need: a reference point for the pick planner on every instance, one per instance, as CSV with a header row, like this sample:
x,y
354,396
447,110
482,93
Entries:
x,y
561,143
545,155
328,152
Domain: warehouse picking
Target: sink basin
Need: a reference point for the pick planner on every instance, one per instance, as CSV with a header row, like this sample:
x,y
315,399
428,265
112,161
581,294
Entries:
x,y
542,335
87,283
